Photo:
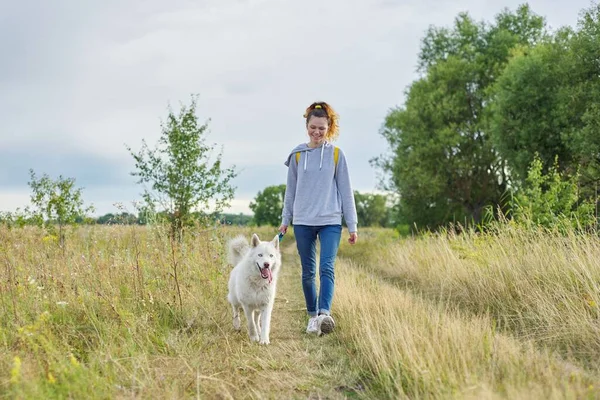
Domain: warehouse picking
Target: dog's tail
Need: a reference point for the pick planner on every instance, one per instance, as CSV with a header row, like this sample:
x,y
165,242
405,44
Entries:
x,y
237,249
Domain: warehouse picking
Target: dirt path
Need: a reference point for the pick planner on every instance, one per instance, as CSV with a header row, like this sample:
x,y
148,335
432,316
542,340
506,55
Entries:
x,y
295,365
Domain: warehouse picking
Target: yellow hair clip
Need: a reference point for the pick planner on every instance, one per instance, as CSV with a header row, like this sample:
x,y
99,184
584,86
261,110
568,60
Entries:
x,y
318,106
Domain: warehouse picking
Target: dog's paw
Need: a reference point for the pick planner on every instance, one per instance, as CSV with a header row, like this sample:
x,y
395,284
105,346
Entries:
x,y
264,341
236,323
254,338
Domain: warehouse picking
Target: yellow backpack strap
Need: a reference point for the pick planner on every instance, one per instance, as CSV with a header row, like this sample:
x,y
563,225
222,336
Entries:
x,y
336,155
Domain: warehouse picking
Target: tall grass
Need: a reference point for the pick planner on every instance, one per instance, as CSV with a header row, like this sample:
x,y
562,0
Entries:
x,y
413,348
508,314
432,306
103,318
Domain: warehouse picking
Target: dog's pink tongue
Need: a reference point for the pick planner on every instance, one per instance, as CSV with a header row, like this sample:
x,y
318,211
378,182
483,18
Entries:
x,y
267,271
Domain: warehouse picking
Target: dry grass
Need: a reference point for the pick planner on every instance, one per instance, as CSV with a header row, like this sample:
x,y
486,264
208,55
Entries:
x,y
103,321
540,286
413,348
513,313
507,315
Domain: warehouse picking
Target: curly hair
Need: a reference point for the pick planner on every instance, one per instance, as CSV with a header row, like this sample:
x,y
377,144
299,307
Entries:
x,y
321,109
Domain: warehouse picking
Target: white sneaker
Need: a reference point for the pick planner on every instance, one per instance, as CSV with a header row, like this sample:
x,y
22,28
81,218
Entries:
x,y
325,324
312,325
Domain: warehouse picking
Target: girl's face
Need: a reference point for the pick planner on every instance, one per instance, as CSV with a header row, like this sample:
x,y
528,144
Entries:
x,y
317,128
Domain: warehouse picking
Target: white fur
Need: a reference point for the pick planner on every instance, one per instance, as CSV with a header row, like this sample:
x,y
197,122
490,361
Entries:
x,y
248,290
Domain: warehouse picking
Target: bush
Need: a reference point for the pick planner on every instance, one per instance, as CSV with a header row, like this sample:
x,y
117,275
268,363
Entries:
x,y
552,200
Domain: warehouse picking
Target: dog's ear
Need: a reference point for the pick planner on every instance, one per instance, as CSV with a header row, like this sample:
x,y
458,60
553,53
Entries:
x,y
255,240
275,242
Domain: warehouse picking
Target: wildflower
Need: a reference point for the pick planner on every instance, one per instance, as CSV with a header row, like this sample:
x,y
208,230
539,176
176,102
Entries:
x,y
590,301
31,280
15,372
73,360
51,378
44,317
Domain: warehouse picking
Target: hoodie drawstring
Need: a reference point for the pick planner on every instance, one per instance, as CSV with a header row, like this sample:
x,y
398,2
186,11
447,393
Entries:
x,y
321,163
305,158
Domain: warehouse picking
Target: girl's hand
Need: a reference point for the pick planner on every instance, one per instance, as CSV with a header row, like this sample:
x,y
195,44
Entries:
x,y
353,237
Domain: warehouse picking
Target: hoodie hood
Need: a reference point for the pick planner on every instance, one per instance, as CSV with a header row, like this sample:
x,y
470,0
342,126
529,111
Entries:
x,y
304,148
300,148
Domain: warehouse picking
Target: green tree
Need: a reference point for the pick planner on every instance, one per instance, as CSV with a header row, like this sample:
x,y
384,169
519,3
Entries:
x,y
547,102
583,137
56,202
372,209
524,113
180,172
443,164
268,206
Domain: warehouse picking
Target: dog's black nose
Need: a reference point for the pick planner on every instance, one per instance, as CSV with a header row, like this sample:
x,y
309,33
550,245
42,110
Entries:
x,y
266,265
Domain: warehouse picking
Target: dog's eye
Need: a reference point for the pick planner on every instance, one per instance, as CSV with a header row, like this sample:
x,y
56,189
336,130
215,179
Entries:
x,y
271,255
260,255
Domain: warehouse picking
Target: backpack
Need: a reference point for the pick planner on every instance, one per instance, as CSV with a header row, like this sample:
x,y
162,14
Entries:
x,y
336,156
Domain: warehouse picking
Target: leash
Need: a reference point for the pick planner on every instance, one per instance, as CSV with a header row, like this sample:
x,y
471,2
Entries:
x,y
280,237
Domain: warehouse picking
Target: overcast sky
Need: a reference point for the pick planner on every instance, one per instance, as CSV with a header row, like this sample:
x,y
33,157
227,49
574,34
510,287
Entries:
x,y
80,80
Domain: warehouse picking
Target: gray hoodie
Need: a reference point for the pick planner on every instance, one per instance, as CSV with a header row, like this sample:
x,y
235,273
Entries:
x,y
318,193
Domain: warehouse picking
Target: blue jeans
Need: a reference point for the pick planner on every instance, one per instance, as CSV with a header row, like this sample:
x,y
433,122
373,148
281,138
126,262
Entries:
x,y
306,241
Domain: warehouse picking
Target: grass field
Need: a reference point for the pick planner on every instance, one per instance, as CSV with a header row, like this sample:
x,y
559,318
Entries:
x,y
124,313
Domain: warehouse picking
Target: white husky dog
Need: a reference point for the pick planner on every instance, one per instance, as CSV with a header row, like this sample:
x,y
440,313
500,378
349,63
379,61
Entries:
x,y
252,283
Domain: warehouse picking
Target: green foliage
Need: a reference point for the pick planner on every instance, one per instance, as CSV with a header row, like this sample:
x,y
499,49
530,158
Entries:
x,y
123,218
179,171
546,102
552,199
372,209
56,202
443,164
16,219
524,119
582,104
235,219
268,206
